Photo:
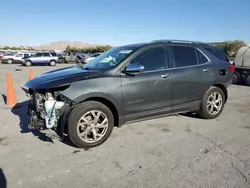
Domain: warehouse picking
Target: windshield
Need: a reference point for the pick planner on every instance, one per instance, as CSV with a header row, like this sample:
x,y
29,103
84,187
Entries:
x,y
110,58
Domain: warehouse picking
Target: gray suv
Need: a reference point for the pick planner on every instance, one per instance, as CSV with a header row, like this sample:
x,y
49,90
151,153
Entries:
x,y
127,84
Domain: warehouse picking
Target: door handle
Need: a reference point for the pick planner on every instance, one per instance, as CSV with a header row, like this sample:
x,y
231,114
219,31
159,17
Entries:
x,y
205,70
165,75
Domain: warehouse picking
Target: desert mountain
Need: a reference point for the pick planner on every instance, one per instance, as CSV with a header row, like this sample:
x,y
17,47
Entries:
x,y
61,45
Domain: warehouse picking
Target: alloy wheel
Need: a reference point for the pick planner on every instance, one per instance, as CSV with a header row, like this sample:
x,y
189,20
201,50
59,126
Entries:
x,y
214,103
92,126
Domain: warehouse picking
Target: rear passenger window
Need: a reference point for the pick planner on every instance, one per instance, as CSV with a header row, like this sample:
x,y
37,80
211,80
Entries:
x,y
184,56
38,55
46,55
201,58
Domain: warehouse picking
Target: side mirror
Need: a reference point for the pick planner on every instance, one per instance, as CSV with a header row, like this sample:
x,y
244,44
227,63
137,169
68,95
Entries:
x,y
133,68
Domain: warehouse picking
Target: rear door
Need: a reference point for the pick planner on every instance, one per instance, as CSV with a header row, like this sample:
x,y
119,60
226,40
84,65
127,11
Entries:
x,y
46,57
193,74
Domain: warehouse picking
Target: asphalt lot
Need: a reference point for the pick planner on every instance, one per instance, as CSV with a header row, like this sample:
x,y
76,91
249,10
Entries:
x,y
177,151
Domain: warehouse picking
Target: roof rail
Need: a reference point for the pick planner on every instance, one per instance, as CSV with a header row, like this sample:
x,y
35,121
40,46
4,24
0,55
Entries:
x,y
179,41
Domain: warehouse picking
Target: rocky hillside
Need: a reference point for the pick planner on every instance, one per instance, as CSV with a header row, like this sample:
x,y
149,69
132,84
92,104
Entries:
x,y
61,45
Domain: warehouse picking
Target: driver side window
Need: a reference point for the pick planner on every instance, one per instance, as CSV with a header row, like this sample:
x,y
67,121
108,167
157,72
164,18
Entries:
x,y
155,58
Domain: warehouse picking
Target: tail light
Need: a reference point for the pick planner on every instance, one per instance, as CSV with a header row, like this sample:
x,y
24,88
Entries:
x,y
232,68
1,57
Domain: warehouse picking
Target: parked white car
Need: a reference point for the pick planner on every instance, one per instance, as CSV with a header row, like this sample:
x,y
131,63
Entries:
x,y
15,57
92,56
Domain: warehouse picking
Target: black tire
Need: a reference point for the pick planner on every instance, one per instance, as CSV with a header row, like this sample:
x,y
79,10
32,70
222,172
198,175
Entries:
x,y
75,116
247,79
236,78
204,112
62,61
78,60
10,61
52,63
28,63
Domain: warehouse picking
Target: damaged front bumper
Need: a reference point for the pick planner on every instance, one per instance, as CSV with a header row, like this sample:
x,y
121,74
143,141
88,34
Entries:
x,y
47,111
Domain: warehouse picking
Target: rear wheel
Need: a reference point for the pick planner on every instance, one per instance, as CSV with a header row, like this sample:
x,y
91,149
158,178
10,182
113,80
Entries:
x,y
247,79
62,61
236,78
10,61
28,63
90,124
52,63
212,104
78,60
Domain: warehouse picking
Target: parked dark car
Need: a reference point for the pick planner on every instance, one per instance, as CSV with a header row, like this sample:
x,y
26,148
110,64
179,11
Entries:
x,y
127,84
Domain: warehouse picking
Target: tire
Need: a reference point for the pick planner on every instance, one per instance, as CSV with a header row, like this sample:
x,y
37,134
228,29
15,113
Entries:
x,y
204,109
75,117
52,63
62,61
28,63
247,79
78,60
236,78
10,61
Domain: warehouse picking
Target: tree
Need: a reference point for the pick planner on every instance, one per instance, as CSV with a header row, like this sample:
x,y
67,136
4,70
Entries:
x,y
230,47
94,49
68,48
6,48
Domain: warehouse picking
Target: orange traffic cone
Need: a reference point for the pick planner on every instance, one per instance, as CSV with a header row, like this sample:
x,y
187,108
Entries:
x,y
31,74
11,94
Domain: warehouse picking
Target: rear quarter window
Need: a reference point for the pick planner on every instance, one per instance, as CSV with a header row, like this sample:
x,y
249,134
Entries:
x,y
218,53
53,54
201,58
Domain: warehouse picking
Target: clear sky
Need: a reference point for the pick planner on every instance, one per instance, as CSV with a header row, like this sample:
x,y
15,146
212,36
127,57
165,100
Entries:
x,y
115,22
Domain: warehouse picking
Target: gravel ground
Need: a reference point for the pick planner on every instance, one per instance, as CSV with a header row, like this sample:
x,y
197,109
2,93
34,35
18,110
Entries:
x,y
177,151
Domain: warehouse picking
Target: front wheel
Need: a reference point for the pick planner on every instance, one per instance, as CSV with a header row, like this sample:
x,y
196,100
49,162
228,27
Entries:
x,y
90,124
52,63
78,60
212,104
28,63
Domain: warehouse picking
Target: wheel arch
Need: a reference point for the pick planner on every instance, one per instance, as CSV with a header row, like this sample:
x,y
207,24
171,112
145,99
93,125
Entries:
x,y
110,104
224,89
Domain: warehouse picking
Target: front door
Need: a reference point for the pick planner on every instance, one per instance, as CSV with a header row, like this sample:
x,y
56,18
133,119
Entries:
x,y
38,58
151,90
